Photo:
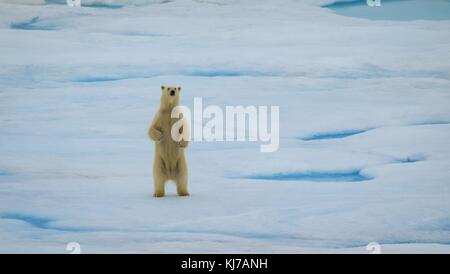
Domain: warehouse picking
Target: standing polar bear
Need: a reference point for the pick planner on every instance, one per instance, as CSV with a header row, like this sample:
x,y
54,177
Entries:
x,y
169,162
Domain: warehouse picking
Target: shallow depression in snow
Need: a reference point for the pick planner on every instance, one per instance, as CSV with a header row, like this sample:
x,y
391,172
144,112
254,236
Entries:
x,y
40,222
314,176
193,73
5,173
333,135
90,4
34,23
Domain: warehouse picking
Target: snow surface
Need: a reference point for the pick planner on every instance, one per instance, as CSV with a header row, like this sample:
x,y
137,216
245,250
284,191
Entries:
x,y
358,98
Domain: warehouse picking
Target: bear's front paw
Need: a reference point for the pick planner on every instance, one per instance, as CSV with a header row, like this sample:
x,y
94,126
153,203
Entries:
x,y
183,144
156,135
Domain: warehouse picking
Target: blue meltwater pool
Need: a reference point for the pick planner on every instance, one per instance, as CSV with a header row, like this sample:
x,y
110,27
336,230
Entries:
x,y
401,10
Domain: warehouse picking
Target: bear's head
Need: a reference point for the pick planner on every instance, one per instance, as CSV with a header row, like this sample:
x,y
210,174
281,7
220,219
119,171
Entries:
x,y
170,97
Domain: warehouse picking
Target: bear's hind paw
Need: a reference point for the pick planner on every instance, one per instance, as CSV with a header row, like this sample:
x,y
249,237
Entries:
x,y
158,194
184,194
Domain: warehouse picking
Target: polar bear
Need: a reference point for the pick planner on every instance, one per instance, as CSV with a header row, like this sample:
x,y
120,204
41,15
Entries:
x,y
169,161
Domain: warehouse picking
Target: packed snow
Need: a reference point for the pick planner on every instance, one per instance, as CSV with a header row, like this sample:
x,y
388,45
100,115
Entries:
x,y
364,128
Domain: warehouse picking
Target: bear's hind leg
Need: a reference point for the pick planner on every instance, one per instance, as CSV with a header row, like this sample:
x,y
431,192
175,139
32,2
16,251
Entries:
x,y
182,179
182,189
159,181
182,186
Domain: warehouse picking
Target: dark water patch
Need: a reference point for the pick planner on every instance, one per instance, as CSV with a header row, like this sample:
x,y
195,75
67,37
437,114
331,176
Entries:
x,y
315,176
34,23
334,135
41,222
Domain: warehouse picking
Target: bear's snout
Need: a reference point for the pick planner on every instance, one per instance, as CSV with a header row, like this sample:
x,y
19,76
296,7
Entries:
x,y
172,92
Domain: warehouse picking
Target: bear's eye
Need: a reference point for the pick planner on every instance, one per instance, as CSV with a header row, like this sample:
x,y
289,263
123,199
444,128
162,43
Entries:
x,y
172,92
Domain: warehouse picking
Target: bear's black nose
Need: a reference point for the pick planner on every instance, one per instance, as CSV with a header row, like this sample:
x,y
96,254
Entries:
x,y
172,92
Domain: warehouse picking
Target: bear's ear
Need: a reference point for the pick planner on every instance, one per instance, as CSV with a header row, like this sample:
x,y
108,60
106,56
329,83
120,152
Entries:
x,y
163,88
179,88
